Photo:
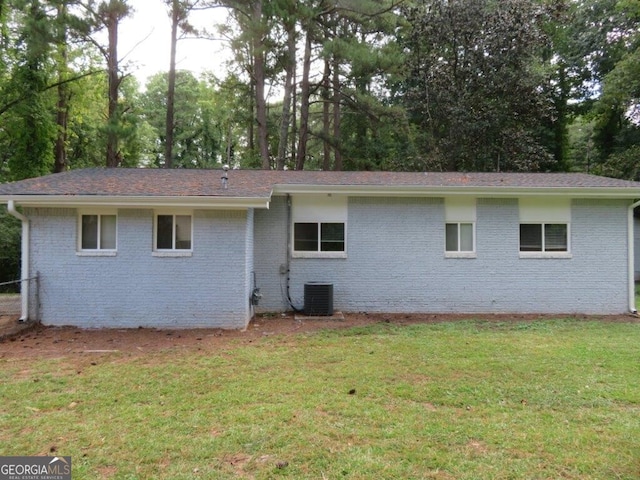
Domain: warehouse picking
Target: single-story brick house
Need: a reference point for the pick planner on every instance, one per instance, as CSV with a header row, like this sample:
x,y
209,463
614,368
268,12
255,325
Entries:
x,y
191,248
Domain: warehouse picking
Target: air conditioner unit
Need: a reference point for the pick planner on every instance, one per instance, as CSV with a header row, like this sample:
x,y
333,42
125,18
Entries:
x,y
318,298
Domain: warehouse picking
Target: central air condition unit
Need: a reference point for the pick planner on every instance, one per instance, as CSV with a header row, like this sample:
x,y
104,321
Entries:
x,y
318,298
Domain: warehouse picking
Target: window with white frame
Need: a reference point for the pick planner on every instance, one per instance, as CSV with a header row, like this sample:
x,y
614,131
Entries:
x,y
318,237
97,231
460,225
545,226
319,226
544,237
173,232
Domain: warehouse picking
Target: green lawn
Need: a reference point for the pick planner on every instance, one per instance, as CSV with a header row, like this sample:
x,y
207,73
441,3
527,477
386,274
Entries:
x,y
467,400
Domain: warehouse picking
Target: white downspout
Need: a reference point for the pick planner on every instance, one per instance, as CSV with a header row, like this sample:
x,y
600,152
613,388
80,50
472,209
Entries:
x,y
631,258
24,284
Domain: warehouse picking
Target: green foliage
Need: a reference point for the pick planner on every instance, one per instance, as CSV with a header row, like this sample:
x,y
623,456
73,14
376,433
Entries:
x,y
32,130
10,235
624,164
606,39
473,85
227,100
197,133
540,85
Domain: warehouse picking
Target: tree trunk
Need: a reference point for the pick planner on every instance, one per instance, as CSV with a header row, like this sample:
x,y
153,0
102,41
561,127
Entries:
x,y
337,161
259,79
294,115
286,101
113,156
326,145
251,127
171,88
560,126
62,108
304,105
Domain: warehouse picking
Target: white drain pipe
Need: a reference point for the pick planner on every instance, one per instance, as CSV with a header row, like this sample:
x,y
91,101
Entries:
x,y
631,258
24,283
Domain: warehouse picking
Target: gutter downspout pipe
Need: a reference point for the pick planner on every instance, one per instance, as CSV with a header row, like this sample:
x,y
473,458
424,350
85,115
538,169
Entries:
x,y
24,283
631,258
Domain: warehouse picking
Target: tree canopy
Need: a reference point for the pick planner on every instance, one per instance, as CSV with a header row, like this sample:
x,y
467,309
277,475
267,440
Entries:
x,y
483,85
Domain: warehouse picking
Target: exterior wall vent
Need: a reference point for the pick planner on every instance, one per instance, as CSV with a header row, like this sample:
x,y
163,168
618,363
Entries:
x,y
318,298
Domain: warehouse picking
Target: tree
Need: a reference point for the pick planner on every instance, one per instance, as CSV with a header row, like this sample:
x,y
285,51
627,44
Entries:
x,y
108,16
179,12
289,59
474,84
617,112
196,128
31,128
251,48
364,55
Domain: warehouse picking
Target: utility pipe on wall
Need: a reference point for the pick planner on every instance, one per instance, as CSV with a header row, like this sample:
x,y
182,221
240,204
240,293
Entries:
x,y
631,258
24,283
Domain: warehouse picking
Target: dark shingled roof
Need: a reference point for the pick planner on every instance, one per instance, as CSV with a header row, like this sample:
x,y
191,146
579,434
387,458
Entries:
x,y
260,183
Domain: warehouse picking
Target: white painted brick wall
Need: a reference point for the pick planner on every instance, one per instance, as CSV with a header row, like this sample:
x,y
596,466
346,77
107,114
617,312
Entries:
x,y
396,261
134,288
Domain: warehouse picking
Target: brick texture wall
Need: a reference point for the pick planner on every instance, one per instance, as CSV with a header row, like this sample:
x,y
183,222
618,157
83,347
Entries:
x,y
396,261
135,288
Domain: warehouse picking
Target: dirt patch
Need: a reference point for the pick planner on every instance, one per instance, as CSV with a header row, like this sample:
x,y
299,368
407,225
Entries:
x,y
51,342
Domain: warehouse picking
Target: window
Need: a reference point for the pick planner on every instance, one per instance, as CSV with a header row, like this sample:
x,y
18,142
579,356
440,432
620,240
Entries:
x,y
545,227
543,237
460,218
173,232
318,237
459,237
319,225
97,232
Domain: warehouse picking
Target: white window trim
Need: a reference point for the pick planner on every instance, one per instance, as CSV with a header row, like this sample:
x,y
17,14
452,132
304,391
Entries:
x,y
460,253
319,209
318,253
543,253
97,252
460,210
171,252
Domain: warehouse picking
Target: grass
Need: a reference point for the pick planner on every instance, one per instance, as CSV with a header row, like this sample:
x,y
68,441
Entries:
x,y
466,400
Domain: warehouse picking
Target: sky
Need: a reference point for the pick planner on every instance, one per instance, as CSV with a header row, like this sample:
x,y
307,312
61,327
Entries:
x,y
144,41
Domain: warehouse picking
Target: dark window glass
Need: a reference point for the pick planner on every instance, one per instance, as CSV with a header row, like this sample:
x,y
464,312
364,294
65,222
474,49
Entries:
x,y
530,237
305,237
332,237
89,232
555,237
451,240
165,232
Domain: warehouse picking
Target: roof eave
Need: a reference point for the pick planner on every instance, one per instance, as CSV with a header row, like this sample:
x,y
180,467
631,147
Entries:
x,y
137,201
442,191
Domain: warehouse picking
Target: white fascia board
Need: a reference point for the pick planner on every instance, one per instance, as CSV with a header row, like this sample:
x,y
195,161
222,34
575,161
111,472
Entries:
x,y
433,191
202,202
